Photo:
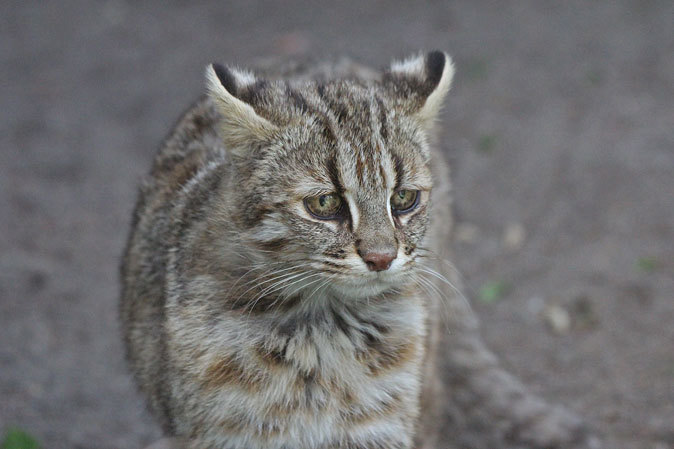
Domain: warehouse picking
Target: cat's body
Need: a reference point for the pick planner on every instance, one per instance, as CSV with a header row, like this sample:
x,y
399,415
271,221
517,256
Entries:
x,y
257,317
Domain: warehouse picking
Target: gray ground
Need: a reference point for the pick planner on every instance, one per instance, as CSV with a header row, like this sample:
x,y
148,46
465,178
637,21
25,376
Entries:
x,y
561,121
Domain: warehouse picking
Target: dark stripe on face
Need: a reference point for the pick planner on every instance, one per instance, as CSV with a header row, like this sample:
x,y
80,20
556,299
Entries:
x,y
334,174
332,264
273,245
339,110
359,167
254,215
398,166
338,254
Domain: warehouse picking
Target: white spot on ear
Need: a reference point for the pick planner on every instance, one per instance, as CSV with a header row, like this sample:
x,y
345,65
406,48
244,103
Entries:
x,y
411,65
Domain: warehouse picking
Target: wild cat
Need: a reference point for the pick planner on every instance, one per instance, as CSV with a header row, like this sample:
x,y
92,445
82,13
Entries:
x,y
281,287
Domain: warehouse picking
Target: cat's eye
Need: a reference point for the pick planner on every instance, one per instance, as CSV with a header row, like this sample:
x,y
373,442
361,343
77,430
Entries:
x,y
325,207
404,201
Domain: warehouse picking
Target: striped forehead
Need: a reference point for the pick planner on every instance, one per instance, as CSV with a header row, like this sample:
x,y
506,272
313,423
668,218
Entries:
x,y
365,147
364,160
366,167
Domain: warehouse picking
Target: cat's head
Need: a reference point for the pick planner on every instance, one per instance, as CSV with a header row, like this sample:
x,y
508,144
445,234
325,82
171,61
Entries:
x,y
331,181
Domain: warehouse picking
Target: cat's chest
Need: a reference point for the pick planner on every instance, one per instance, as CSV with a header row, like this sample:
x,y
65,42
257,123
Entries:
x,y
332,358
323,388
327,381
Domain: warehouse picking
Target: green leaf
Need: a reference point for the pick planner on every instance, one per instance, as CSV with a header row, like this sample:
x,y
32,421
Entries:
x,y
486,143
493,291
18,439
647,264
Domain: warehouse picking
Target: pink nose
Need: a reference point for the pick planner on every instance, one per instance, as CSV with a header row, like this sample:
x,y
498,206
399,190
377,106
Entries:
x,y
378,261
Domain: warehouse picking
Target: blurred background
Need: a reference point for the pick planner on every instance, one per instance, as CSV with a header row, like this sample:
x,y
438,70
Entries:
x,y
559,129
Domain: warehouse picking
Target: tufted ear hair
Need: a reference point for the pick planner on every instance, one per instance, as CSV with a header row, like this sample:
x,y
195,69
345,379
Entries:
x,y
241,126
422,82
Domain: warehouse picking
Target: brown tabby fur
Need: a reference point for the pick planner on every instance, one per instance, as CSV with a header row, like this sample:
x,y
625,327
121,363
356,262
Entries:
x,y
249,323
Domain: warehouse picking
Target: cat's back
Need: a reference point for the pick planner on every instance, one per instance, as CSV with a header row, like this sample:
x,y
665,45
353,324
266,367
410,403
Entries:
x,y
190,147
192,144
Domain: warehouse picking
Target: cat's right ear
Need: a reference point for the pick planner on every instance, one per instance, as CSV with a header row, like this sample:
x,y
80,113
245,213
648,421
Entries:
x,y
241,126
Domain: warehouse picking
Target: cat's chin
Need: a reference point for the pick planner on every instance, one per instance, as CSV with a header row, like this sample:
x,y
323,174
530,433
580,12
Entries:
x,y
361,288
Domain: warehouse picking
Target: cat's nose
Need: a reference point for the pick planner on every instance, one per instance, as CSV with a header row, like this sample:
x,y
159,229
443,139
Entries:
x,y
379,261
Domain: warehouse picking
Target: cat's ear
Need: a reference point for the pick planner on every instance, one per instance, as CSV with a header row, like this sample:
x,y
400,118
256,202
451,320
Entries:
x,y
422,82
241,125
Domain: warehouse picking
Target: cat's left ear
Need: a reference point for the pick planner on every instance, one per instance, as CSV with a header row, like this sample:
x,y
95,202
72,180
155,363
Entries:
x,y
422,83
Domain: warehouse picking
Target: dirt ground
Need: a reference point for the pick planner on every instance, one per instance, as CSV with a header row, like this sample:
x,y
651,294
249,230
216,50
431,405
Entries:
x,y
559,127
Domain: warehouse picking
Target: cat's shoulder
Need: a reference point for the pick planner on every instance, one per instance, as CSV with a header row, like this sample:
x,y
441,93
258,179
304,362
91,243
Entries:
x,y
192,142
